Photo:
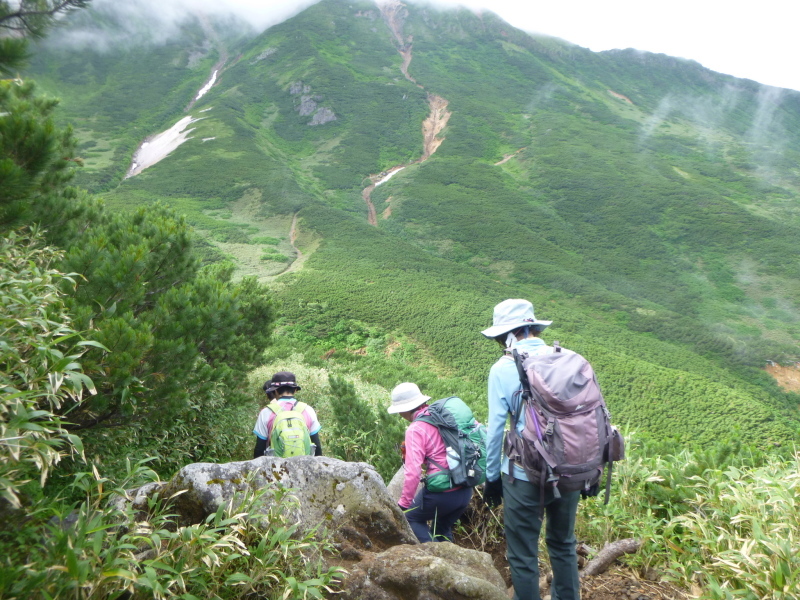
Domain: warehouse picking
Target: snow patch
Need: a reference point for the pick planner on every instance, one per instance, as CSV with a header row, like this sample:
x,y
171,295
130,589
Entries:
x,y
388,176
207,86
161,145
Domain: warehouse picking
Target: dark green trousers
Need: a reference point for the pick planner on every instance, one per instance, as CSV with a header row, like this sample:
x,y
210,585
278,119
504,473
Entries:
x,y
523,523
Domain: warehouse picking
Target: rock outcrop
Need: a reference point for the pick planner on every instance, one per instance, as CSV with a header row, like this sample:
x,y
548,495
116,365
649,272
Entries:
x,y
426,571
347,503
395,486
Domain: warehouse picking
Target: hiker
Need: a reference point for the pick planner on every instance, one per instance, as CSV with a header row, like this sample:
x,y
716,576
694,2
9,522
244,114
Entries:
x,y
425,449
298,427
514,326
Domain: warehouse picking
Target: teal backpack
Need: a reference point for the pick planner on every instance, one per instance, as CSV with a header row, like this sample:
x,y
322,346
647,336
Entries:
x,y
289,436
465,442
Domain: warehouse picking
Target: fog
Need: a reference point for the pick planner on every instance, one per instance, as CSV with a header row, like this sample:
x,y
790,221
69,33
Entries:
x,y
158,21
258,13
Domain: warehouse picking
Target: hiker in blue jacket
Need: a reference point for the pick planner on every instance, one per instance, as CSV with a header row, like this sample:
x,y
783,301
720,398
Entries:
x,y
514,326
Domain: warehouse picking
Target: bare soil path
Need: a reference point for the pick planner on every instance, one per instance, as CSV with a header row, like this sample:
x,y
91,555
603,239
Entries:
x,y
366,194
394,13
508,157
299,258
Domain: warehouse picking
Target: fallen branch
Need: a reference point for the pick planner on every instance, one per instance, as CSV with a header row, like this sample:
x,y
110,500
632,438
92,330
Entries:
x,y
610,553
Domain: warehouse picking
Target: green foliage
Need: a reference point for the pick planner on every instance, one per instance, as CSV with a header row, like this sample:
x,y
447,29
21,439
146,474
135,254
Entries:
x,y
109,554
363,433
22,19
32,18
40,376
173,332
745,528
650,209
263,239
36,158
711,518
625,208
211,430
171,336
661,387
271,254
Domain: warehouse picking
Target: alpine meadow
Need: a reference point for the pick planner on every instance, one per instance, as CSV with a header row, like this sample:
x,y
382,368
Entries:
x,y
189,206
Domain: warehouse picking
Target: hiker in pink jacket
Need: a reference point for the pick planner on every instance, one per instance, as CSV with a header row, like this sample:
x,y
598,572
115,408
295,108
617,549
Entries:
x,y
424,449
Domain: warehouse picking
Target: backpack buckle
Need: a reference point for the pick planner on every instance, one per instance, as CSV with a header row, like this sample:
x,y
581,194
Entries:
x,y
550,428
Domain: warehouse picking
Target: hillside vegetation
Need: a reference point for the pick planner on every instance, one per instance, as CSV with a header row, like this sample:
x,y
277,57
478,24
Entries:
x,y
648,206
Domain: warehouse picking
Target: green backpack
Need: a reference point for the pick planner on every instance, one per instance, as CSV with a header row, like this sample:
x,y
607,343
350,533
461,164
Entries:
x,y
289,436
465,442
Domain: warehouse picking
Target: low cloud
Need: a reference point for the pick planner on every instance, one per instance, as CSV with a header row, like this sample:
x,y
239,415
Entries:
x,y
654,121
158,21
259,13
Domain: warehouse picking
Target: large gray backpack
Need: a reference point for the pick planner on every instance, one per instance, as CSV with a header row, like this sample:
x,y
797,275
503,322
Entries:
x,y
567,438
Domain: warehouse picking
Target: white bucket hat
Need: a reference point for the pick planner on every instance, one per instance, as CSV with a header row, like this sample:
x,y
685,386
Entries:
x,y
405,397
510,315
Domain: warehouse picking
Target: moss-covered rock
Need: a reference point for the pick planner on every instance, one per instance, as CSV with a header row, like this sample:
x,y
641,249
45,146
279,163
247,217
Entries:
x,y
426,571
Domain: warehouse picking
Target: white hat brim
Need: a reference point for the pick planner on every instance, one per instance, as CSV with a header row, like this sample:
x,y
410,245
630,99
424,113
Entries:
x,y
496,330
408,404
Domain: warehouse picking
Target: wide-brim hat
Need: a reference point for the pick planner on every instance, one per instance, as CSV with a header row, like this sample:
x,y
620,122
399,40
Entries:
x,y
512,314
281,379
405,397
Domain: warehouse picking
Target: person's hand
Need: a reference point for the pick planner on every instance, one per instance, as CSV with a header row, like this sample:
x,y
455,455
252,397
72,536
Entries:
x,y
493,493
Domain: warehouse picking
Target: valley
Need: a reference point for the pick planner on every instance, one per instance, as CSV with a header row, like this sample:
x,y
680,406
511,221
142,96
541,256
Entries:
x,y
347,194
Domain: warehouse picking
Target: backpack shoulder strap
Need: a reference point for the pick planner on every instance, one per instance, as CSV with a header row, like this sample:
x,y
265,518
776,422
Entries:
x,y
523,377
276,407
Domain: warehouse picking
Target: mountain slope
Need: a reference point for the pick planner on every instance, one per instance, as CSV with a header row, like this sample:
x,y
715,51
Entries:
x,y
647,205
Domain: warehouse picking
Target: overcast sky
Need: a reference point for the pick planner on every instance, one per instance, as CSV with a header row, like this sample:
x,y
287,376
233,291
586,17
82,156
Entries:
x,y
754,39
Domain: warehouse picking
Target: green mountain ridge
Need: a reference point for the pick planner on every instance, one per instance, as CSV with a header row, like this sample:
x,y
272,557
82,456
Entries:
x,y
647,205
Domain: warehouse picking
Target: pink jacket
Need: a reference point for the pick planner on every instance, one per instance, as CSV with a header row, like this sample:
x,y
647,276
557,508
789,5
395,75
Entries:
x,y
423,442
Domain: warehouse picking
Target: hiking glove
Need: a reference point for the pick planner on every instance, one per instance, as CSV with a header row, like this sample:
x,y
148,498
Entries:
x,y
594,490
493,493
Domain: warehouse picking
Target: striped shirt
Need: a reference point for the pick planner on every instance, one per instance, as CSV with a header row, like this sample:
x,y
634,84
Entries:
x,y
266,418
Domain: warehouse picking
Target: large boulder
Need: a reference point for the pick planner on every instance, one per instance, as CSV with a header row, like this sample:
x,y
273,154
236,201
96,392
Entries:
x,y
346,501
395,486
435,571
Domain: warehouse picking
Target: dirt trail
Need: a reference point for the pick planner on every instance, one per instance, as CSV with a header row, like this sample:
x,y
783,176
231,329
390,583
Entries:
x,y
293,237
366,194
299,259
508,157
394,13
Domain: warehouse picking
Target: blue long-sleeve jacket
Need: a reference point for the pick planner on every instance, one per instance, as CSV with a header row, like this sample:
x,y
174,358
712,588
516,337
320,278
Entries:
x,y
503,387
